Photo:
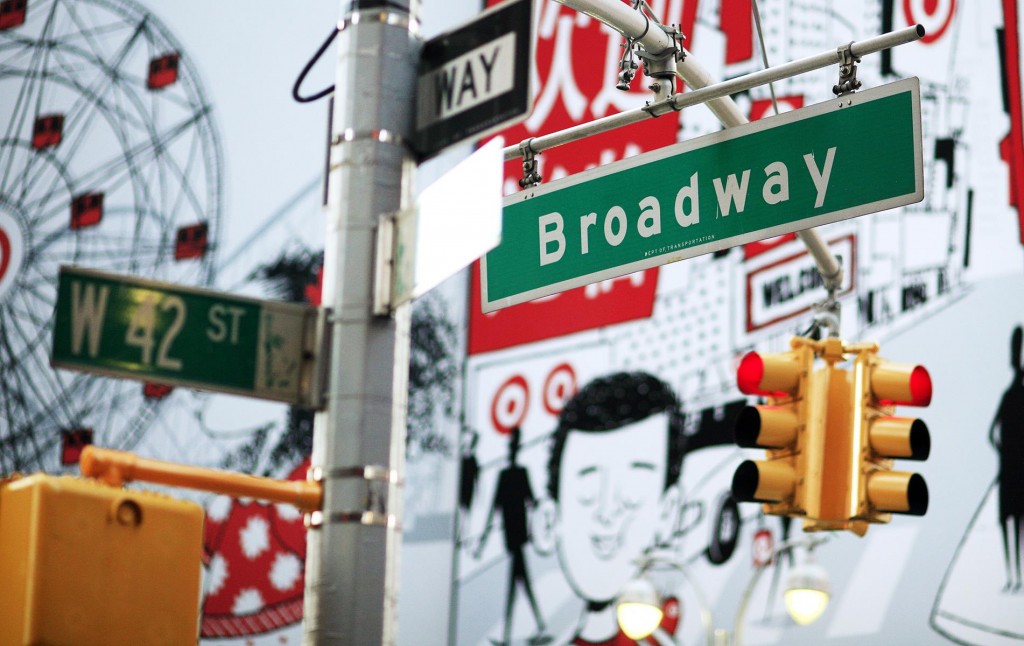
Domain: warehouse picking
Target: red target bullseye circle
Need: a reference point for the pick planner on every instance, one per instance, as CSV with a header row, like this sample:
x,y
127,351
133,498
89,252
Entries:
x,y
5,253
510,403
559,387
934,15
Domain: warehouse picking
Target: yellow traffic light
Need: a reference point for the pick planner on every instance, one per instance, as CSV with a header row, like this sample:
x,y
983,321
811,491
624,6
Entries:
x,y
778,426
831,436
86,563
879,386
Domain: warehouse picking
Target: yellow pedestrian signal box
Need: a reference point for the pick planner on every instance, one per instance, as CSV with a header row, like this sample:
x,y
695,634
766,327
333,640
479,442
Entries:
x,y
84,563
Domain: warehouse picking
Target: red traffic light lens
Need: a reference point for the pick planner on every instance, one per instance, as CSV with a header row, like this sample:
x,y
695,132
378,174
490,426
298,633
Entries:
x,y
920,387
750,373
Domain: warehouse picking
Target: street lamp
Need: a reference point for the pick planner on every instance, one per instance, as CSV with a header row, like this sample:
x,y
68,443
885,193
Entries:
x,y
638,608
638,605
807,592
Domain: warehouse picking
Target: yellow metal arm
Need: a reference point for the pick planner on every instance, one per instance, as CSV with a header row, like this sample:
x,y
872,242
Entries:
x,y
118,467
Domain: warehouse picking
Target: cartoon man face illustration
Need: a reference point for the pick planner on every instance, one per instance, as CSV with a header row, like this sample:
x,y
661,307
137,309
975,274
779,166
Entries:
x,y
611,485
613,472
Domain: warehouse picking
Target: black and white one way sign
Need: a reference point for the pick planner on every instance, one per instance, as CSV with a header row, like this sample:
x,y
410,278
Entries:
x,y
475,80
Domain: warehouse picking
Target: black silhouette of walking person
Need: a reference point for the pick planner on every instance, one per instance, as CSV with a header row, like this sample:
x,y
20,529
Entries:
x,y
1007,435
513,496
468,473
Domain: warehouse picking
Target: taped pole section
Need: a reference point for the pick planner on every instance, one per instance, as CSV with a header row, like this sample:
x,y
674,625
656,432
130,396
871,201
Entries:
x,y
353,542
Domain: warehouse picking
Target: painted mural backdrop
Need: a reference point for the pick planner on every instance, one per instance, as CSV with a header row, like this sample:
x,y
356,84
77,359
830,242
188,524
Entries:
x,y
597,421
554,442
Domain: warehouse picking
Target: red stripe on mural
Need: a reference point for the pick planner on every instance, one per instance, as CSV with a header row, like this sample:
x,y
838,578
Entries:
x,y
1012,147
736,22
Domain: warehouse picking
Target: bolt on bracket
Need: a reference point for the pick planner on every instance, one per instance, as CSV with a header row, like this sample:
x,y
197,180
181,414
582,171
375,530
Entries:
x,y
530,175
848,83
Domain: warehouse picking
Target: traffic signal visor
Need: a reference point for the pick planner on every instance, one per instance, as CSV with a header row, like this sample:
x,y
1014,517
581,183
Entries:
x,y
890,437
775,427
901,383
769,375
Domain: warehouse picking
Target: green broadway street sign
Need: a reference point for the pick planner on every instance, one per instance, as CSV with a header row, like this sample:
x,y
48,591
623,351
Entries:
x,y
846,157
124,326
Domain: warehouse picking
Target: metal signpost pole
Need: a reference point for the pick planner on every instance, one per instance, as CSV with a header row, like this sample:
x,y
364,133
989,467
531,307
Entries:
x,y
359,440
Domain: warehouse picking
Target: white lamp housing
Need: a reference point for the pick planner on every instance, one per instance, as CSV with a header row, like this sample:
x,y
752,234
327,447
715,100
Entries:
x,y
638,608
807,593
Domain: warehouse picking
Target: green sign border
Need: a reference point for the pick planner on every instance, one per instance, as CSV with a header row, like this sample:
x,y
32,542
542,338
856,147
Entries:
x,y
298,318
909,86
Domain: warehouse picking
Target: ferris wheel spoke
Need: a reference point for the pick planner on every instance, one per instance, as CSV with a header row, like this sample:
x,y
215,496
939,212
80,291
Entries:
x,y
13,400
42,168
16,43
18,394
36,70
113,248
88,109
127,161
162,140
33,359
90,33
38,277
116,403
106,183
35,297
80,119
183,174
87,34
36,342
112,262
94,93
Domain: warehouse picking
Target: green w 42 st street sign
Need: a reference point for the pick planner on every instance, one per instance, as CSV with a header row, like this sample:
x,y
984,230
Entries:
x,y
124,326
853,155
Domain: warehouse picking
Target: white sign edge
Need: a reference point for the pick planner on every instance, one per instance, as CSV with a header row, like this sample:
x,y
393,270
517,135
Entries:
x,y
911,84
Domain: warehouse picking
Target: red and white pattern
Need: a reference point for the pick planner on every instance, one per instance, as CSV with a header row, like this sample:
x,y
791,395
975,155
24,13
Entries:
x,y
254,557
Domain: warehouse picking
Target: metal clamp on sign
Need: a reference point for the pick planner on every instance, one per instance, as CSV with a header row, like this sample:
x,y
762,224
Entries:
x,y
848,82
530,175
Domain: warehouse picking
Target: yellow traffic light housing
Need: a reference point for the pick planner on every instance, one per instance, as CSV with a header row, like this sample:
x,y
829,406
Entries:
x,y
779,427
831,436
879,386
86,563
83,561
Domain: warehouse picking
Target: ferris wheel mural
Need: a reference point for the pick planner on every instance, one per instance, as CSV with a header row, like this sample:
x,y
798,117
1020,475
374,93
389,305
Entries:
x,y
109,158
